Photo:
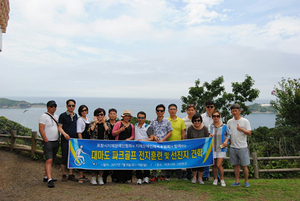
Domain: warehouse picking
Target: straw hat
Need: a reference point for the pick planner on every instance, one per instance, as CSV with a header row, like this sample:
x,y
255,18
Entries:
x,y
126,113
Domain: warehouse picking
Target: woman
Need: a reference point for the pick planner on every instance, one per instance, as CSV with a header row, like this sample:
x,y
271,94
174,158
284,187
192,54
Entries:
x,y
83,124
197,130
97,131
220,133
124,130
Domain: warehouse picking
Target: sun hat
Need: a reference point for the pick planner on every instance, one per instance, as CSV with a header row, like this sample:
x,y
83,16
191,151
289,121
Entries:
x,y
126,113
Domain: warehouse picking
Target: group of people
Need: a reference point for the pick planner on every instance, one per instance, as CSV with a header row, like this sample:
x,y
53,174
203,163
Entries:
x,y
69,125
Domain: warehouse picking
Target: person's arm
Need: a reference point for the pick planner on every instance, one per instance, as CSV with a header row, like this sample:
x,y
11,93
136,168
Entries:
x,y
246,132
167,136
61,130
117,130
151,138
183,134
42,132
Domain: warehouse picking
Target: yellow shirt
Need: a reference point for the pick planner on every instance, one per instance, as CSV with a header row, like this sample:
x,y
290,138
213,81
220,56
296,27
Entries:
x,y
178,125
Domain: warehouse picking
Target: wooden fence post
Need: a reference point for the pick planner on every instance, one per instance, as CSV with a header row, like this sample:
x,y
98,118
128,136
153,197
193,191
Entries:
x,y
13,139
255,165
33,143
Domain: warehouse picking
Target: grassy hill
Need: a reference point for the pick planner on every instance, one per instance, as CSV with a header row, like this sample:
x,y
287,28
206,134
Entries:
x,y
7,103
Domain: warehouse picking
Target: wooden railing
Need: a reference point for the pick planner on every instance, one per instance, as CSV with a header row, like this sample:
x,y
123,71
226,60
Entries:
x,y
34,139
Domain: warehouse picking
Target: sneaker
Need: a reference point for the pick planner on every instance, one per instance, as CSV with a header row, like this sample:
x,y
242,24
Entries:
x,y
247,184
85,178
93,181
223,183
100,181
215,182
64,178
194,180
72,178
46,179
139,181
236,184
200,181
162,178
154,179
51,184
80,180
146,180
168,179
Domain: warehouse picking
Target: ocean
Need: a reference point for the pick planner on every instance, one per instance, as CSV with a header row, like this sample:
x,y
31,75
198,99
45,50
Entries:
x,y
30,117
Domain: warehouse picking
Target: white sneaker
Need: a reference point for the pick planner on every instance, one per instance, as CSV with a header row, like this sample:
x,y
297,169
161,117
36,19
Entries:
x,y
139,181
100,181
215,182
93,181
146,180
223,183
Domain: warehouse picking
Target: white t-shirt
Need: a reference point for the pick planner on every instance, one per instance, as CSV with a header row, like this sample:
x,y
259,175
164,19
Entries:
x,y
238,138
188,122
207,120
51,129
140,133
81,124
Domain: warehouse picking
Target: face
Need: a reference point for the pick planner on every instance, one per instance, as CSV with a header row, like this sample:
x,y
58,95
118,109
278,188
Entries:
x,y
100,116
197,122
210,109
71,106
172,111
126,118
52,109
112,115
141,118
216,117
235,113
84,112
191,111
160,112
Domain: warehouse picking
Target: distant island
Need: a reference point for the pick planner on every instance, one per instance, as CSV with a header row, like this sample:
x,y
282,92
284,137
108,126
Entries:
x,y
14,104
261,108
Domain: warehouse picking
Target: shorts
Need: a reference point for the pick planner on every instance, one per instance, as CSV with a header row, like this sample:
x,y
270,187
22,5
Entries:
x,y
50,149
219,154
200,169
239,156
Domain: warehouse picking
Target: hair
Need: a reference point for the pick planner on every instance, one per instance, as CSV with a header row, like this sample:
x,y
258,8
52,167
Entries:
x,y
67,102
112,110
196,116
210,102
81,108
142,113
190,106
99,110
172,105
217,111
160,105
235,106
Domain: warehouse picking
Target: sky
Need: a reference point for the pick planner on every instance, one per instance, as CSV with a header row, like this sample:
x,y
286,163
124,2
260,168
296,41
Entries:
x,y
146,48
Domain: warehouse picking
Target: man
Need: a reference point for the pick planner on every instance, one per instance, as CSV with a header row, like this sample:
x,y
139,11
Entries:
x,y
178,133
48,128
141,135
207,120
240,129
112,114
67,124
190,110
161,131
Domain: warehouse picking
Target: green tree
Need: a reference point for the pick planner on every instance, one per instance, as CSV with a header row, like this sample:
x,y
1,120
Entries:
x,y
287,102
241,93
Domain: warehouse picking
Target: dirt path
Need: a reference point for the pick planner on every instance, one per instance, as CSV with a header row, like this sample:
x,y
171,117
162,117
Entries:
x,y
21,179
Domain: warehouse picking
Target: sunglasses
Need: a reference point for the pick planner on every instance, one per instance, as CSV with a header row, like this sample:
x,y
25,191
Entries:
x,y
197,120
160,110
100,114
53,106
210,106
84,110
141,117
71,105
218,116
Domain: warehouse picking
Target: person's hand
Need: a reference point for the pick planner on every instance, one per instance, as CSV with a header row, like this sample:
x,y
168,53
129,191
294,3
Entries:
x,y
67,137
225,144
238,127
96,119
210,135
103,120
155,138
128,139
122,129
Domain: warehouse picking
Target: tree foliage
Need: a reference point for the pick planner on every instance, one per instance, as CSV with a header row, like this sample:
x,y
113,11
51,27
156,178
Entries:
x,y
215,91
287,102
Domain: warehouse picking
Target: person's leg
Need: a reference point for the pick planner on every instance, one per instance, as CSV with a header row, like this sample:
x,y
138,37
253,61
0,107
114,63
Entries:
x,y
237,173
215,169
246,173
48,168
219,162
139,174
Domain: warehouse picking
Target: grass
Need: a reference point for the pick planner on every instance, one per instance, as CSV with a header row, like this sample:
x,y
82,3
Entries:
x,y
260,189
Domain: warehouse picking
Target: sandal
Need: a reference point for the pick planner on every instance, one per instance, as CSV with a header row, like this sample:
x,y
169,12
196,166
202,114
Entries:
x,y
80,180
